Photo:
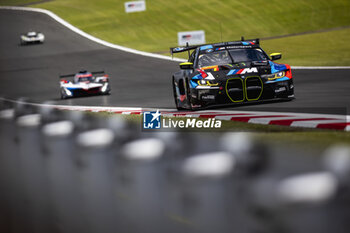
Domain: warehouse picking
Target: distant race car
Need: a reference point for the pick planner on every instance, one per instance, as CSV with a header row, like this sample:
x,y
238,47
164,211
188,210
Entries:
x,y
84,83
32,37
230,73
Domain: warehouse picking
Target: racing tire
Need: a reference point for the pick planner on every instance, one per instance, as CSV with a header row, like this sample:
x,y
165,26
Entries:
x,y
107,93
63,95
175,97
188,96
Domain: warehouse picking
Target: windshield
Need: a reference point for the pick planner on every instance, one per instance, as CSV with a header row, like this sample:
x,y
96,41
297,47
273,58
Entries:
x,y
85,79
222,57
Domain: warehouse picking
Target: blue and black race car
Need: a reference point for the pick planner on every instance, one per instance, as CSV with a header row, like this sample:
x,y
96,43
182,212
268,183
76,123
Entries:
x,y
229,73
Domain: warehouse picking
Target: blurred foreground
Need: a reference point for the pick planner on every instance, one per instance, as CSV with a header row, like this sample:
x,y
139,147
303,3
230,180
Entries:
x,y
67,171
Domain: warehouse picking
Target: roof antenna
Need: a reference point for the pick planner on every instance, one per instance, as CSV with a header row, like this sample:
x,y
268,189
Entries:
x,y
242,38
187,45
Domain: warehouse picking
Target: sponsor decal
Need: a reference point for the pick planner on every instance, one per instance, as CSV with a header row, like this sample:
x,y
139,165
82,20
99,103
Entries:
x,y
248,43
135,6
280,89
178,49
221,48
243,71
153,120
205,47
239,47
182,98
192,38
208,97
250,70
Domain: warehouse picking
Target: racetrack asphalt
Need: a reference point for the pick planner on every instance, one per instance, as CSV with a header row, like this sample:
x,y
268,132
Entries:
x,y
137,81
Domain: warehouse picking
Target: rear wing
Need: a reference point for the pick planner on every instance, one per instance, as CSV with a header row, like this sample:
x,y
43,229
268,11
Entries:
x,y
98,72
25,33
72,75
183,49
242,42
67,75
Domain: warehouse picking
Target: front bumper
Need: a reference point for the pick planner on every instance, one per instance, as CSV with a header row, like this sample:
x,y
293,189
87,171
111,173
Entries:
x,y
239,91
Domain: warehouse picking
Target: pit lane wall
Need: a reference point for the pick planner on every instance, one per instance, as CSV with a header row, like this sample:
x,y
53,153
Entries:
x,y
68,171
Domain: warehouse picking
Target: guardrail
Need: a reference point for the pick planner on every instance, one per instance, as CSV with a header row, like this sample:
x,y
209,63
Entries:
x,y
68,171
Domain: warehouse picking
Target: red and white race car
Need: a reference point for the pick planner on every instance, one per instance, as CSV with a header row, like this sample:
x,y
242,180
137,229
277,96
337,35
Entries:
x,y
84,83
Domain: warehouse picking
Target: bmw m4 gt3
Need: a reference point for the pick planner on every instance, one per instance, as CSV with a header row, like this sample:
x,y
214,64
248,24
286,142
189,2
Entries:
x,y
228,73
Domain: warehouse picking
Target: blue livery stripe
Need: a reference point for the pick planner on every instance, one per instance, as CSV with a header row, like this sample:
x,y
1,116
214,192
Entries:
x,y
232,72
277,67
193,84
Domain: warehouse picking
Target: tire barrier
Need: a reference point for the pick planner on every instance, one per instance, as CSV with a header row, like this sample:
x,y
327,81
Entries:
x,y
71,172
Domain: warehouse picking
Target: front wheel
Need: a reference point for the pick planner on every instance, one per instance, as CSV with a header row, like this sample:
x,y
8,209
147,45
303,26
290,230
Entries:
x,y
63,95
188,95
176,98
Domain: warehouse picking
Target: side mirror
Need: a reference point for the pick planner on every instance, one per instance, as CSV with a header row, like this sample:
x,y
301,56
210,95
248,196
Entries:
x,y
186,65
275,56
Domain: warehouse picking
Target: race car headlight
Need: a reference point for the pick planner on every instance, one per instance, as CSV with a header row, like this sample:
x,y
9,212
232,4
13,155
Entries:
x,y
280,74
274,76
203,82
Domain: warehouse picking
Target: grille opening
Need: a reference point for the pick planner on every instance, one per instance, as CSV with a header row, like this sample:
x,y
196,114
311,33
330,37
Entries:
x,y
254,88
235,90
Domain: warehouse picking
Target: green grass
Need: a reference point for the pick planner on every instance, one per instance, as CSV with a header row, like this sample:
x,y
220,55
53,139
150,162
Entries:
x,y
155,30
320,49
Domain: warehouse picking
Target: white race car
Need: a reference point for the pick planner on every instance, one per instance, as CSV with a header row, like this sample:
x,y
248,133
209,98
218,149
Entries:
x,y
32,37
84,83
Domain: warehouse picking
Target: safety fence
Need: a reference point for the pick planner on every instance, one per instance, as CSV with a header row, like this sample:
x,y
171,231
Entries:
x,y
71,172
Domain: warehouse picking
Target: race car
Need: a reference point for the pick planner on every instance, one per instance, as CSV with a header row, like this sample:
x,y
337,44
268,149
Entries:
x,y
32,37
84,83
228,73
